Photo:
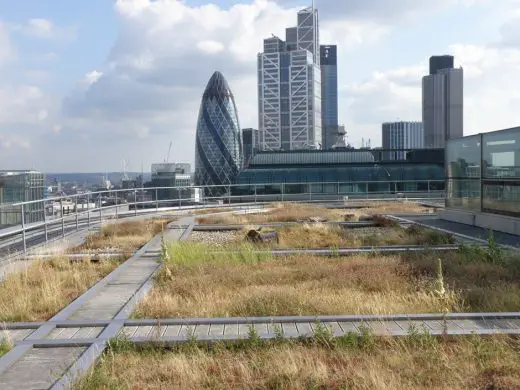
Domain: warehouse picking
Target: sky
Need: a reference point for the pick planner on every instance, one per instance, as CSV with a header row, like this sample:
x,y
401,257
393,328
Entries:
x,y
85,85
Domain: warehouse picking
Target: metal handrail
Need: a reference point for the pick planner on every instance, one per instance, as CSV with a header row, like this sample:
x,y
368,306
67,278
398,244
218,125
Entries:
x,y
84,218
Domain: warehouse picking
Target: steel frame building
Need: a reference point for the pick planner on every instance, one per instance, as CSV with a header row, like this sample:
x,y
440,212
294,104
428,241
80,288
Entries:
x,y
289,87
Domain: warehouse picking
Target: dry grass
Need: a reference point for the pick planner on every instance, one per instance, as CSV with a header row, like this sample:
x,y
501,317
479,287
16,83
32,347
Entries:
x,y
327,236
294,212
127,236
481,285
45,287
201,283
317,235
211,211
303,285
465,363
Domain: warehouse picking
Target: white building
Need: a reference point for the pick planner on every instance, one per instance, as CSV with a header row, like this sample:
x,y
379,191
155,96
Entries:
x,y
402,135
289,87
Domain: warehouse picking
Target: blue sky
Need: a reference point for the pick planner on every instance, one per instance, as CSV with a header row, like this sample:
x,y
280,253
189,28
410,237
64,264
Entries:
x,y
120,79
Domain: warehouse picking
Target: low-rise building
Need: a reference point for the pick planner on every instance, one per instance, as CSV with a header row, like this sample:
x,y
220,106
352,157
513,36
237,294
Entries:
x,y
17,187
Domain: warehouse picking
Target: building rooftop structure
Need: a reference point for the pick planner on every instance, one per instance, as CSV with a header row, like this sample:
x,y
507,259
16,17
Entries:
x,y
483,180
346,171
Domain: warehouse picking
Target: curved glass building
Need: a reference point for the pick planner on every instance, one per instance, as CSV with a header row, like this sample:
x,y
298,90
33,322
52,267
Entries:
x,y
218,147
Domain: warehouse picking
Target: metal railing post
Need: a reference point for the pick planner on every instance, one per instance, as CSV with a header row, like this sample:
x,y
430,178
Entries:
x,y
117,213
88,210
156,200
229,195
22,210
77,215
45,222
310,192
255,193
283,190
179,197
135,202
62,218
100,209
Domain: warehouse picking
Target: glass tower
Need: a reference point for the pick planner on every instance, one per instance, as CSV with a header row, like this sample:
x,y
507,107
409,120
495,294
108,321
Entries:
x,y
442,102
329,94
218,145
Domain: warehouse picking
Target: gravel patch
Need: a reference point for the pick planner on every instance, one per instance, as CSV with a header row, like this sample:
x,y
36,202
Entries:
x,y
215,238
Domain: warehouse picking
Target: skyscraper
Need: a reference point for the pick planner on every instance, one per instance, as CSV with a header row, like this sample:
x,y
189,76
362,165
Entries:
x,y
250,138
289,87
442,102
402,135
218,147
329,95
441,62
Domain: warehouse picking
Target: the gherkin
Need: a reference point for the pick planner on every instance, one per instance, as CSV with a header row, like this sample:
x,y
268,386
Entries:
x,y
218,147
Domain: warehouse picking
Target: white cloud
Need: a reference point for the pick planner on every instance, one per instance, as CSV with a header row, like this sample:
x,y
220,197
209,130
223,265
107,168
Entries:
x,y
157,83
491,99
6,50
148,90
210,46
45,29
92,77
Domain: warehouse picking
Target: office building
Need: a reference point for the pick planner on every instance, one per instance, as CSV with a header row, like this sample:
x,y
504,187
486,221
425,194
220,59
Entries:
x,y
171,175
330,174
21,186
289,87
218,144
441,62
329,95
483,181
442,102
402,135
250,142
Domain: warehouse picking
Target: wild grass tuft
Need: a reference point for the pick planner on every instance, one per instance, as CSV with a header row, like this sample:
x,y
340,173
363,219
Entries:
x,y
44,287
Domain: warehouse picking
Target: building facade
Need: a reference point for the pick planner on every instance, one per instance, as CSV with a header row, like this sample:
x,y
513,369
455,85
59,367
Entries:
x,y
171,175
483,180
218,144
329,95
402,135
327,174
289,87
250,142
442,103
21,186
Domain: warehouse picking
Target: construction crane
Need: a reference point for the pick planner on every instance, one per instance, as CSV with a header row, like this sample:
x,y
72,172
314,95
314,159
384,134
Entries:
x,y
169,150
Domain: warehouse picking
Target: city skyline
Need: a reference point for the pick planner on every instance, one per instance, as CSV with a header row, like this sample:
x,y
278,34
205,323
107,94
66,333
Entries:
x,y
87,86
289,87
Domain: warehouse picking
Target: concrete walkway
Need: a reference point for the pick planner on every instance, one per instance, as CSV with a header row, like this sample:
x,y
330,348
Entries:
x,y
30,365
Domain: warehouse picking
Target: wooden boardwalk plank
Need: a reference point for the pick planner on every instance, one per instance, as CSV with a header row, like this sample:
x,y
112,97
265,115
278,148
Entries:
x,y
304,329
201,330
231,330
172,330
128,331
143,331
216,330
39,368
290,329
88,332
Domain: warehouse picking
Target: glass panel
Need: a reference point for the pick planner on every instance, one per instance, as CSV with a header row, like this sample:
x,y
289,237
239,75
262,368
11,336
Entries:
x,y
502,154
463,157
502,198
464,194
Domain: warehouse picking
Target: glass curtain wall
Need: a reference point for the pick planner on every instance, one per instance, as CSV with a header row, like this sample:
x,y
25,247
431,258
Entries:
x,y
483,172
